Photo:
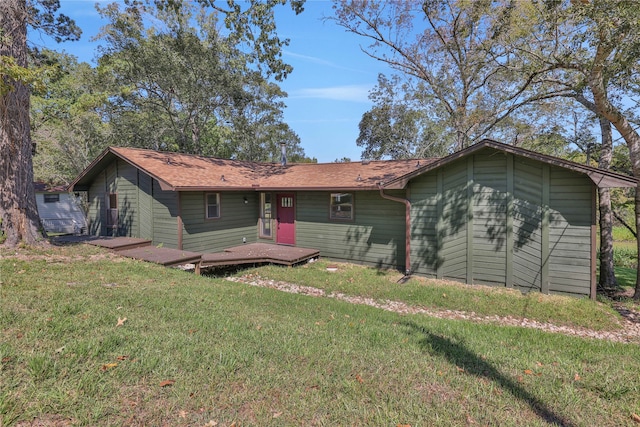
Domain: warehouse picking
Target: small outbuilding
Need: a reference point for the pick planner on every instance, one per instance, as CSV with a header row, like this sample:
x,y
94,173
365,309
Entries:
x,y
490,214
60,211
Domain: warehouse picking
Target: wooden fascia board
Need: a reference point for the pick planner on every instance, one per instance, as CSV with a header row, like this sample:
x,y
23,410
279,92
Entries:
x,y
164,186
85,172
330,189
274,189
605,181
88,171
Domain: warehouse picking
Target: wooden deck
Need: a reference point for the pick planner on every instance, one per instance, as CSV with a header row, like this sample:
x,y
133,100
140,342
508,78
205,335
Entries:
x,y
113,243
252,253
256,253
119,243
163,256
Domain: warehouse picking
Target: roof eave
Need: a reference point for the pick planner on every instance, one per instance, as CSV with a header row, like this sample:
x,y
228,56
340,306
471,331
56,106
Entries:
x,y
269,188
75,184
608,181
601,178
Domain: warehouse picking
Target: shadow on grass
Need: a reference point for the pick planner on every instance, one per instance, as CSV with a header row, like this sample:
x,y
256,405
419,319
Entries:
x,y
626,276
459,355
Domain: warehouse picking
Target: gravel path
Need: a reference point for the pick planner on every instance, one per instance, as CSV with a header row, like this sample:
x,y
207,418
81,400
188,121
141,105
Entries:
x,y
629,333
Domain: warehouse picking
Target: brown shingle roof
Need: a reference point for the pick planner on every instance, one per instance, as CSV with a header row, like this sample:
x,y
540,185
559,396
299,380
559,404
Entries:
x,y
186,172
43,187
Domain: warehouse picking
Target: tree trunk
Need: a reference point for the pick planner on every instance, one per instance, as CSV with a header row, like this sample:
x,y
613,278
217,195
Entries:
x,y
622,125
607,278
18,209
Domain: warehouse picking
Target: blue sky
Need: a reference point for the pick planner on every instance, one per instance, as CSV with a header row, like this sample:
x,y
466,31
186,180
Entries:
x,y
327,90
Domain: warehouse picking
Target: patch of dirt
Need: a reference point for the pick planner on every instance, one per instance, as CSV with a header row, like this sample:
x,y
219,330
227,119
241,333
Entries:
x,y
57,258
629,333
47,420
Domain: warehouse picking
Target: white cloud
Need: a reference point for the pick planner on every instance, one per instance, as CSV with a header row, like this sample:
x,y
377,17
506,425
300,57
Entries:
x,y
353,93
323,62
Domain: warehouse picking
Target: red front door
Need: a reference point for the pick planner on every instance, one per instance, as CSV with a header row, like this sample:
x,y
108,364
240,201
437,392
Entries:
x,y
286,212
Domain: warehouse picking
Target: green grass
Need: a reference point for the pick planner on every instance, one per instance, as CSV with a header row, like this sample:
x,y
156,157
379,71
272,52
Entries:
x,y
254,356
626,277
358,280
621,233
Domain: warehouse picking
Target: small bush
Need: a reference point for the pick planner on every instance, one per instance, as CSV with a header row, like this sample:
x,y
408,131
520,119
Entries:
x,y
622,234
625,256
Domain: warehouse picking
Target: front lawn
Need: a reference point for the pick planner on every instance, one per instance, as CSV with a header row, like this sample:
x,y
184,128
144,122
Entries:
x,y
88,338
355,279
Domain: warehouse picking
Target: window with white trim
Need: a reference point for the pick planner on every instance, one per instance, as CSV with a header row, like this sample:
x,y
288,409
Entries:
x,y
265,215
341,206
212,205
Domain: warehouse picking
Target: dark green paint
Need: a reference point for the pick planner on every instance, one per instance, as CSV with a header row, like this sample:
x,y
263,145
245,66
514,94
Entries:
x,y
528,224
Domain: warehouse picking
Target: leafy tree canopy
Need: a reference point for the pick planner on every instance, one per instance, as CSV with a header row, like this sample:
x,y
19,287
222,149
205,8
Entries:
x,y
181,84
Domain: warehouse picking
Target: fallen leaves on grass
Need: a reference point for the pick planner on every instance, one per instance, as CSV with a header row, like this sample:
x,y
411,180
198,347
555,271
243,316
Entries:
x,y
108,366
166,383
121,321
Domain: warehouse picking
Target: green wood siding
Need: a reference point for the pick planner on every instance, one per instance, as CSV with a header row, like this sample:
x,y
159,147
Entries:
x,y
111,178
569,231
425,211
165,216
498,219
453,223
376,236
97,209
128,204
489,218
134,201
145,203
238,221
527,225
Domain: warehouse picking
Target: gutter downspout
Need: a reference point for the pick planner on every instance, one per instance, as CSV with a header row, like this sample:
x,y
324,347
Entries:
x,y
407,204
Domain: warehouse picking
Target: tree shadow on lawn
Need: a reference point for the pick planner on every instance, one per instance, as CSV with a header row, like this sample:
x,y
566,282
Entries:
x,y
460,356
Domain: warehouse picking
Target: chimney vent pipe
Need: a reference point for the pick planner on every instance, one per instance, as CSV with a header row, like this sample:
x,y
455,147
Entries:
x,y
283,150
